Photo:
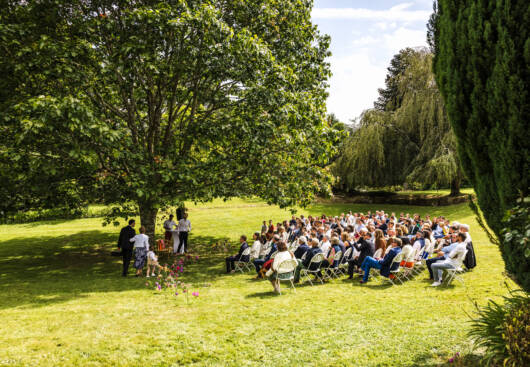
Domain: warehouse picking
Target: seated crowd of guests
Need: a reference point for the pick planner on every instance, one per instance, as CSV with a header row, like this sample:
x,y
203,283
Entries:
x,y
364,241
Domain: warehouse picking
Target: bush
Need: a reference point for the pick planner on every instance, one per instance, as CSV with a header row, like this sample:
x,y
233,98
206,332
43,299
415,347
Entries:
x,y
504,330
515,245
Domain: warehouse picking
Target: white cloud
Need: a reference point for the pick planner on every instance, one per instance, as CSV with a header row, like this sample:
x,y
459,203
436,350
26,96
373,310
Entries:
x,y
360,61
404,37
396,13
357,76
366,40
353,86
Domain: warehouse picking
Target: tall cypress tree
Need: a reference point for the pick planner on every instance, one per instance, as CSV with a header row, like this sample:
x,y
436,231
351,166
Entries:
x,y
482,67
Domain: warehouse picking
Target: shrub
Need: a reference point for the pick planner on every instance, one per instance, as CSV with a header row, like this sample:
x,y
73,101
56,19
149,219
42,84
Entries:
x,y
504,330
514,243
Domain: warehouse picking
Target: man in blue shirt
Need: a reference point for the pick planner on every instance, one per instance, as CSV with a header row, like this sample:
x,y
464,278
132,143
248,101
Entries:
x,y
442,254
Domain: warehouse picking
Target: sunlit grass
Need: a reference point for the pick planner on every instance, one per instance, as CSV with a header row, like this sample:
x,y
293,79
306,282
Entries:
x,y
63,303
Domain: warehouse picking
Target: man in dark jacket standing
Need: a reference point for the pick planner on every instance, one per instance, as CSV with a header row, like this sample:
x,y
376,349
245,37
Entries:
x,y
126,246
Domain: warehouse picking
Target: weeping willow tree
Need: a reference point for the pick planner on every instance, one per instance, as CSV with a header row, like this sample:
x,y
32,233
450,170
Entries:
x,y
406,143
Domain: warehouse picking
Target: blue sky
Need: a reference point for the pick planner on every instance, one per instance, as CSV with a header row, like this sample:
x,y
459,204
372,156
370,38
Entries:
x,y
364,37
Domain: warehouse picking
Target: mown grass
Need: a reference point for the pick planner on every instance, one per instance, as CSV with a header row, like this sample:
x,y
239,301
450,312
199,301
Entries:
x,y
63,303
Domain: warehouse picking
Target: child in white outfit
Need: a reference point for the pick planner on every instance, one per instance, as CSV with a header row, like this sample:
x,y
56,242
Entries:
x,y
152,263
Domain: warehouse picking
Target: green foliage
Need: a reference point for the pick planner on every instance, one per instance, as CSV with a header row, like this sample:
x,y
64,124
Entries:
x,y
409,140
482,69
515,244
391,97
159,102
504,330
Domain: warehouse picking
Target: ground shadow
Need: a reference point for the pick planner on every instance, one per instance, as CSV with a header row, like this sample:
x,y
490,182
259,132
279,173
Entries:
x,y
460,360
45,270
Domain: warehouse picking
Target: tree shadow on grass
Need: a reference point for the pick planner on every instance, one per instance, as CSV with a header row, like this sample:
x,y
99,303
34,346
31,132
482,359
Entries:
x,y
40,271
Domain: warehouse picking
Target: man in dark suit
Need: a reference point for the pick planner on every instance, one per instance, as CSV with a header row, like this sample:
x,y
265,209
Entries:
x,y
302,248
305,264
230,267
366,247
386,264
126,246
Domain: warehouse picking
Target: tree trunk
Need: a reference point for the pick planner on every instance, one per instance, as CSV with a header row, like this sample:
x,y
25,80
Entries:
x,y
148,220
455,186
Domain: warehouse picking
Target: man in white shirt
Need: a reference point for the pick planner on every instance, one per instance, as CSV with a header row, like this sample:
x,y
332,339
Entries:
x,y
452,261
325,245
184,227
168,227
464,228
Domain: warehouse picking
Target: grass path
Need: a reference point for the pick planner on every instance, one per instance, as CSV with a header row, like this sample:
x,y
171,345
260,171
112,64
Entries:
x,y
62,303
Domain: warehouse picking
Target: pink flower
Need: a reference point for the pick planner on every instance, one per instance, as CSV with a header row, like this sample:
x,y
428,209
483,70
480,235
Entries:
x,y
451,360
196,294
176,293
196,257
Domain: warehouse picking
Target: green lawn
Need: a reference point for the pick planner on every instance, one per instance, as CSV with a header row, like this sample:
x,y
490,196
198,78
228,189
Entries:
x,y
63,303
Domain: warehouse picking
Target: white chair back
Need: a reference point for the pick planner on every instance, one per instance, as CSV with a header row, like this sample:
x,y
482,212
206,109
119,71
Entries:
x,y
397,259
304,256
273,255
287,266
318,258
406,252
246,252
337,256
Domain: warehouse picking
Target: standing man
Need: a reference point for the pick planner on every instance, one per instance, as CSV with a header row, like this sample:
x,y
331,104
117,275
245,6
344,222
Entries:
x,y
168,227
184,228
126,246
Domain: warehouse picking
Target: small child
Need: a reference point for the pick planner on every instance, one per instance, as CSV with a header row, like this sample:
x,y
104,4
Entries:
x,y
152,263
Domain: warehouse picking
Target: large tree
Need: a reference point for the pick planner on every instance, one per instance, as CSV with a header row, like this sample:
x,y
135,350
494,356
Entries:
x,y
482,66
407,137
166,101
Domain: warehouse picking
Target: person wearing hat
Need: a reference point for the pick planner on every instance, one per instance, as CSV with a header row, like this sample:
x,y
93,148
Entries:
x,y
302,247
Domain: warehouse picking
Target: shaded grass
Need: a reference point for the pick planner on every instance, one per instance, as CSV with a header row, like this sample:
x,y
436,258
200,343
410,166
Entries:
x,y
63,303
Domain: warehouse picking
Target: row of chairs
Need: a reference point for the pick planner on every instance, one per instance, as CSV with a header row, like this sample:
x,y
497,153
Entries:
x,y
411,264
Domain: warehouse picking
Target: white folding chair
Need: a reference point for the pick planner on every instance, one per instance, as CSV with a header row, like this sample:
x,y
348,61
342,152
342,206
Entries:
x,y
306,272
397,273
285,272
243,265
343,264
455,273
333,271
